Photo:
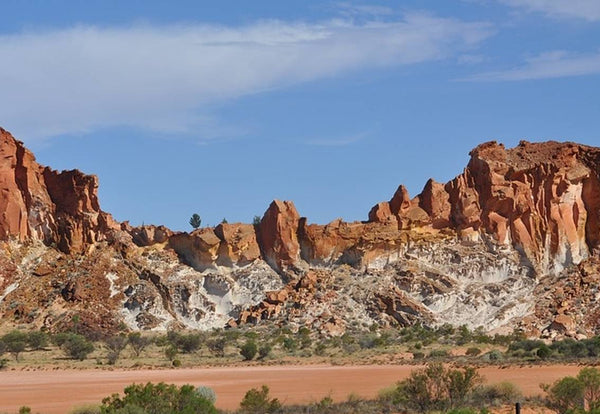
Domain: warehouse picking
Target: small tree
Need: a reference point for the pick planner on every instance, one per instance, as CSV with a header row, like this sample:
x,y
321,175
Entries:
x,y
115,344
258,402
137,342
77,347
256,220
37,340
249,350
158,399
195,221
15,342
217,346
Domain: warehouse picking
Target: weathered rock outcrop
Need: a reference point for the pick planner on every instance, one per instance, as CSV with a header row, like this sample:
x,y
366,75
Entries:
x,y
512,241
39,203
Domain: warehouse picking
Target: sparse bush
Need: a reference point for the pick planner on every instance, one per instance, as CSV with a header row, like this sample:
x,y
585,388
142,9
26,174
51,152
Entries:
x,y
158,399
216,346
497,394
86,409
259,402
436,388
249,350
264,351
438,353
137,342
15,342
473,351
115,344
76,346
171,352
37,340
207,393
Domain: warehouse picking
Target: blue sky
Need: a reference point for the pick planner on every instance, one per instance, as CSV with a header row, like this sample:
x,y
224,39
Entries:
x,y
220,107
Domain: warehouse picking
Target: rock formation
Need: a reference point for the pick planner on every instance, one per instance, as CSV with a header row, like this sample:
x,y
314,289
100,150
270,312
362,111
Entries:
x,y
513,241
42,204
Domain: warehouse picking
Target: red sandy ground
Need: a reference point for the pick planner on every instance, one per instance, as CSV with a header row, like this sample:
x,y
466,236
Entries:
x,y
56,392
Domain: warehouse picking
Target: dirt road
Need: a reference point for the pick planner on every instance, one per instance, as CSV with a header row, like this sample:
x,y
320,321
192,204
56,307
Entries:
x,y
56,392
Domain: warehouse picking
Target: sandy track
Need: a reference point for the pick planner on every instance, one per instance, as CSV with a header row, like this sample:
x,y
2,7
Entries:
x,y
54,392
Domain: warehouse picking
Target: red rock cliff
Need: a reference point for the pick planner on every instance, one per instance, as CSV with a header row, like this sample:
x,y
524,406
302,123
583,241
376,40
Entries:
x,y
37,202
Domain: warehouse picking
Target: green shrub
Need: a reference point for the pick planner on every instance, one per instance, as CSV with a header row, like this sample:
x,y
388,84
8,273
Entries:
x,y
158,399
86,409
436,388
37,340
264,351
259,402
171,352
176,363
473,351
207,393
216,346
137,342
438,353
249,350
75,346
15,342
497,394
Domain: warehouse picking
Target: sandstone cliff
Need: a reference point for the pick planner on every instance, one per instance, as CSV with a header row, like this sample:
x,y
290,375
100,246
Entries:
x,y
512,241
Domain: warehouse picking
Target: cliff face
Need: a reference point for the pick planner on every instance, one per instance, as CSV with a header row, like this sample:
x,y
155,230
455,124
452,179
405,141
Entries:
x,y
512,241
38,203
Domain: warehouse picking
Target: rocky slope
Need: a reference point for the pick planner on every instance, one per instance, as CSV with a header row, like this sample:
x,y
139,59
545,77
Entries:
x,y
513,241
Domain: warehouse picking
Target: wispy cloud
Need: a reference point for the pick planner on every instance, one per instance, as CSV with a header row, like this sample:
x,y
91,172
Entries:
x,y
556,64
351,10
340,141
166,79
580,9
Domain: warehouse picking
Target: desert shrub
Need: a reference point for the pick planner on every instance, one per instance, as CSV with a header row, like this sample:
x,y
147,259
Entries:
x,y
2,347
248,350
115,344
543,352
207,393
137,342
497,394
369,341
436,388
418,355
438,353
189,343
290,344
158,399
37,340
76,346
15,342
473,351
86,409
3,363
526,345
171,352
570,393
264,351
24,410
216,346
176,363
259,402
565,394
493,355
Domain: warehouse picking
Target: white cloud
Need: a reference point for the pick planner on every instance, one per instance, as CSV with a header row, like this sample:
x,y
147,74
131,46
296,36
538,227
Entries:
x,y
581,9
166,78
556,64
339,141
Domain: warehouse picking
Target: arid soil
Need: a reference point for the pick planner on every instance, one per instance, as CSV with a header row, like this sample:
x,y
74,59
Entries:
x,y
54,392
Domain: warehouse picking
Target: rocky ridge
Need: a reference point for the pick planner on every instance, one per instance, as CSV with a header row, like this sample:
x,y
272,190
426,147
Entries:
x,y
513,241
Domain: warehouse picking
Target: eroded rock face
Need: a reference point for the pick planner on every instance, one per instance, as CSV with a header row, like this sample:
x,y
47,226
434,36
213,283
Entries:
x,y
39,203
278,235
513,241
